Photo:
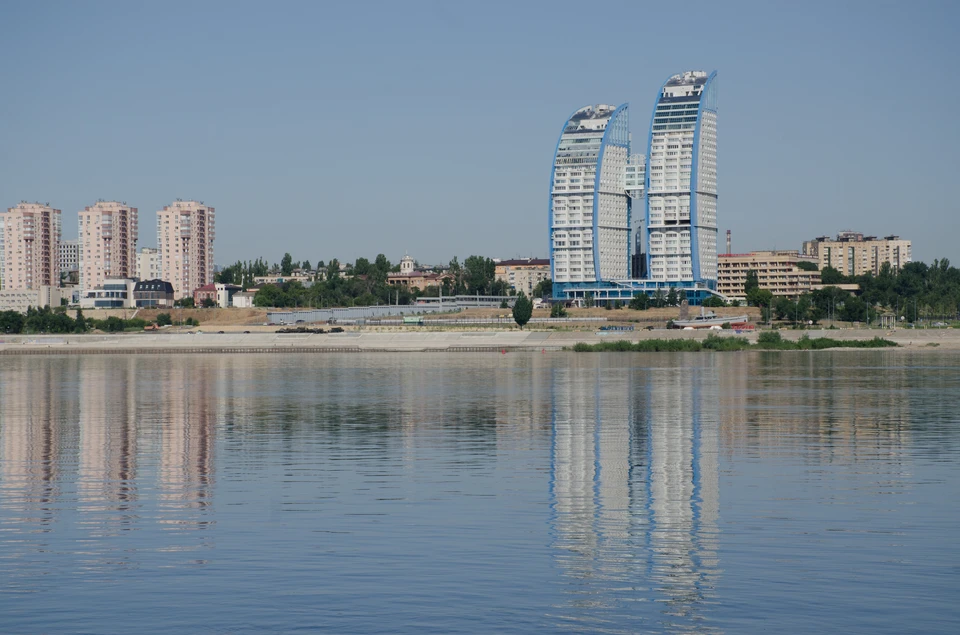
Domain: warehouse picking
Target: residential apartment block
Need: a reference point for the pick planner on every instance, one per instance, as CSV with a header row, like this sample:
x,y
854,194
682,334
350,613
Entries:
x,y
29,248
523,274
854,254
69,255
148,263
777,271
185,234
108,243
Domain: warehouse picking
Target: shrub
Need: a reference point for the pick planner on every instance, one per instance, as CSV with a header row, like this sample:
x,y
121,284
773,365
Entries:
x,y
769,337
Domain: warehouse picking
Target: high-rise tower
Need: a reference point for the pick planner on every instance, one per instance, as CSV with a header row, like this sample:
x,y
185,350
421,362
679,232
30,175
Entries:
x,y
589,207
185,233
30,246
108,243
681,208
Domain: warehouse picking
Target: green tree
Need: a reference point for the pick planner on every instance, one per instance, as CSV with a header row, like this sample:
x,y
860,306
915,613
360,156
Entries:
x,y
208,303
186,303
588,301
640,302
333,269
306,265
659,298
830,276
672,299
543,288
80,323
286,264
805,265
11,322
714,301
558,310
164,319
522,310
479,274
751,283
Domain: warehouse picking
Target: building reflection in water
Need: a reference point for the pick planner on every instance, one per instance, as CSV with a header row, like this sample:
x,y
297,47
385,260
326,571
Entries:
x,y
108,451
38,399
635,489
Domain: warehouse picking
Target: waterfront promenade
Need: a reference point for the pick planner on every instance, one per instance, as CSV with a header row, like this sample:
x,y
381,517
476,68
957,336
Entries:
x,y
409,341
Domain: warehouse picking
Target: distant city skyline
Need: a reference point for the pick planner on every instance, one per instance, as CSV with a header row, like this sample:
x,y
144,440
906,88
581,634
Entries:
x,y
340,131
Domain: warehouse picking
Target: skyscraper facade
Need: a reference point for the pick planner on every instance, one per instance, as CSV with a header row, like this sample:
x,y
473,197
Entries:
x,y
31,237
185,234
681,192
108,243
589,215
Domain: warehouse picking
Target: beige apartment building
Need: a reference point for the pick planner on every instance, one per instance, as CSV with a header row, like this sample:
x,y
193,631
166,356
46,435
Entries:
x,y
777,272
523,274
854,254
29,247
148,264
108,243
185,233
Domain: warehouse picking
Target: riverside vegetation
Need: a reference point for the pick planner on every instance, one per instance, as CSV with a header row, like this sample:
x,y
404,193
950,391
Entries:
x,y
768,340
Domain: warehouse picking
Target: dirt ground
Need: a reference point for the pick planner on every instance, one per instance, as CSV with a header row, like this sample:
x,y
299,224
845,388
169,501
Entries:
x,y
254,319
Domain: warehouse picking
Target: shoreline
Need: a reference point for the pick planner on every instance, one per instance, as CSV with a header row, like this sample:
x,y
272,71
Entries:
x,y
362,341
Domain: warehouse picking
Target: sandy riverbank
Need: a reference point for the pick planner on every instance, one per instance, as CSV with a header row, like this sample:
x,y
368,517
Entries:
x,y
408,341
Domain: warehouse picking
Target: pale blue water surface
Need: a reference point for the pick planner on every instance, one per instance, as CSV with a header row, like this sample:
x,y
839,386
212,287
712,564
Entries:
x,y
475,493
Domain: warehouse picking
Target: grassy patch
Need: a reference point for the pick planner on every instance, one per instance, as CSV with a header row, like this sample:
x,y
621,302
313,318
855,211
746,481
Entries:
x,y
768,340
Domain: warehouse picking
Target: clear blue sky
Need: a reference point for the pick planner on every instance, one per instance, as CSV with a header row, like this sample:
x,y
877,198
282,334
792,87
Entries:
x,y
352,128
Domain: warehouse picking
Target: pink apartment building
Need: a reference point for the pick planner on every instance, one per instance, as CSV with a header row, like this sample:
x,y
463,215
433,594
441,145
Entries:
x,y
185,233
108,243
29,247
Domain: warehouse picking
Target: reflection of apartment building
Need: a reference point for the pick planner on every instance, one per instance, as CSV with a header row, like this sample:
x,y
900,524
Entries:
x,y
635,478
30,247
777,271
109,427
108,243
854,254
523,274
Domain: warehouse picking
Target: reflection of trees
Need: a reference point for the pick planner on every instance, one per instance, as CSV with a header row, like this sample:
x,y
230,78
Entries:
x,y
635,489
825,405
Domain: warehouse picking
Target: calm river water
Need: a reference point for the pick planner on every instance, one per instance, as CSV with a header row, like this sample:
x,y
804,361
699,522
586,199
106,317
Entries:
x,y
434,493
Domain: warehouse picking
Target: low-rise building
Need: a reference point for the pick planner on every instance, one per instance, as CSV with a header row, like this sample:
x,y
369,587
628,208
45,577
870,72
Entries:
x,y
149,294
113,293
19,299
302,278
777,272
244,299
206,292
854,254
220,293
412,278
523,274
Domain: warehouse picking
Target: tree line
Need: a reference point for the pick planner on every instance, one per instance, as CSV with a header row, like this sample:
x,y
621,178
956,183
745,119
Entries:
x,y
56,321
361,283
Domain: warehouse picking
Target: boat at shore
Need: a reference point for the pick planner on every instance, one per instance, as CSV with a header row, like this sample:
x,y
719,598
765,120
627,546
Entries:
x,y
708,319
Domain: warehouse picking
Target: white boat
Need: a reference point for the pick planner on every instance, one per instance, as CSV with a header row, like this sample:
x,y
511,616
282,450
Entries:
x,y
708,319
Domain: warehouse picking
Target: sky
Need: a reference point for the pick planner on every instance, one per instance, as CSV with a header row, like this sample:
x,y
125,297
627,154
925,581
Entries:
x,y
350,129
